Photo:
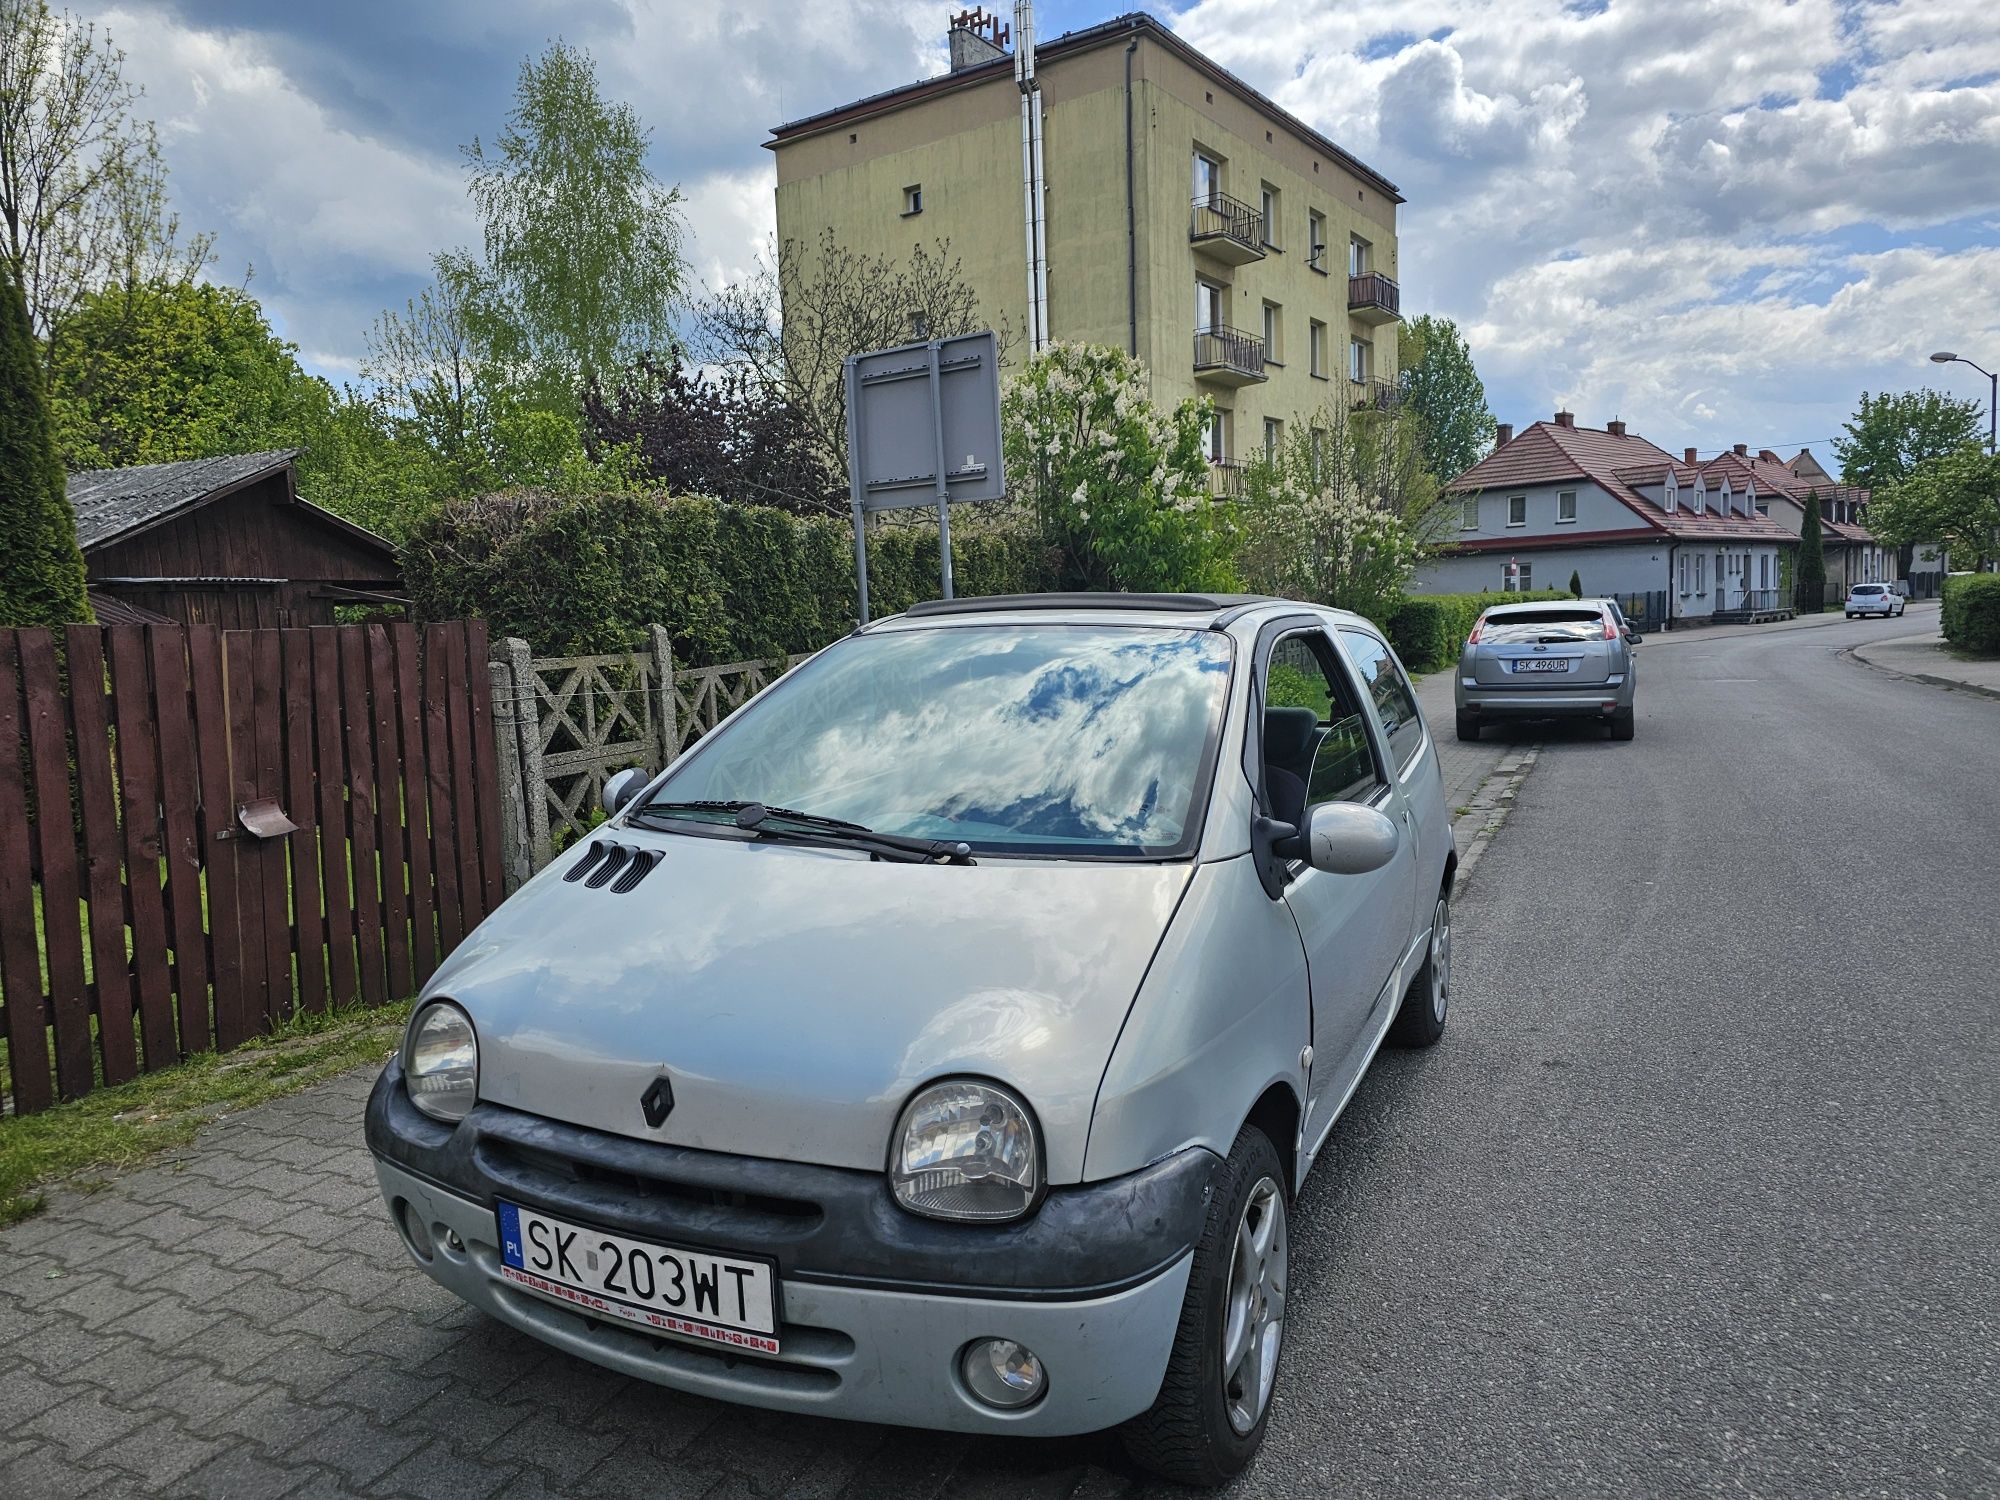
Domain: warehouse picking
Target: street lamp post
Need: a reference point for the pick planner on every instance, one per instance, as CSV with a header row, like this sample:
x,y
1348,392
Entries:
x,y
1945,357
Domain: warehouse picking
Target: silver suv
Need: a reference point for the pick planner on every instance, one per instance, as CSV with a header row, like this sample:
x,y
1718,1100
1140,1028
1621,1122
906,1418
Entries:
x,y
1560,660
943,1038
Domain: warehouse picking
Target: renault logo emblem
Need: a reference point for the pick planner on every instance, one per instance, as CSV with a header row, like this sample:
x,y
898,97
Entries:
x,y
657,1101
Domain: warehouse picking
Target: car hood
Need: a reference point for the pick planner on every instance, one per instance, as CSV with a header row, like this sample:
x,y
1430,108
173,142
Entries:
x,y
796,996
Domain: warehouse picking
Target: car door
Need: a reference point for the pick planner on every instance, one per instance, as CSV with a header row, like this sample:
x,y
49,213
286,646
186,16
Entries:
x,y
1411,754
1317,744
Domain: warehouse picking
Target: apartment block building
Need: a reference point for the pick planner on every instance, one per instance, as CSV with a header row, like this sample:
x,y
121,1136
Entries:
x,y
1237,252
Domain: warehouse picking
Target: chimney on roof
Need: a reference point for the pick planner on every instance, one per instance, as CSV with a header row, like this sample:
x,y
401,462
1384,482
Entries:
x,y
1687,457
1503,434
1741,450
977,38
1615,427
1565,419
1767,456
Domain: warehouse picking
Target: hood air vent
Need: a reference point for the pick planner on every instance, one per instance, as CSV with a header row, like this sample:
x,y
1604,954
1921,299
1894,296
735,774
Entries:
x,y
607,862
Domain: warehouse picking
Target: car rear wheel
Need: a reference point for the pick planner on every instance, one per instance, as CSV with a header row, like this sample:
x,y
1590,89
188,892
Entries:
x,y
1427,1003
1624,724
1209,1418
1468,726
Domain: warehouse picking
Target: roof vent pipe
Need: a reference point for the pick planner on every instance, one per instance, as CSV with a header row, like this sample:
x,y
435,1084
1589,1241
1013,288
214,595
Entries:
x,y
1741,450
1615,427
1565,419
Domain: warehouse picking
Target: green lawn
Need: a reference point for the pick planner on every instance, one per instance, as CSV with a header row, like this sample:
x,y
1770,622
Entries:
x,y
117,1127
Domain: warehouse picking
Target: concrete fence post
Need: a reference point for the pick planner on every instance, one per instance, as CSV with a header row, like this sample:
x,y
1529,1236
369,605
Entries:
x,y
515,865
667,716
534,780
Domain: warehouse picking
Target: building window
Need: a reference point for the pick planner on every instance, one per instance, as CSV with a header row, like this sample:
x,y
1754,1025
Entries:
x,y
1360,359
1701,572
1673,496
1565,506
1316,241
1268,201
1207,177
1274,434
1684,575
1517,576
1214,439
1360,256
1517,510
1763,570
913,199
1468,514
1273,349
1318,349
1207,306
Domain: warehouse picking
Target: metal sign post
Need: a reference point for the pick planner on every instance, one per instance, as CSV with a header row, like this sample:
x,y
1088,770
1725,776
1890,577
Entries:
x,y
907,409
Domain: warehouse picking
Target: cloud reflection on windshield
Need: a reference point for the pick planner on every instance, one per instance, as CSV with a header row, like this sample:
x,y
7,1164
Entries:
x,y
1004,736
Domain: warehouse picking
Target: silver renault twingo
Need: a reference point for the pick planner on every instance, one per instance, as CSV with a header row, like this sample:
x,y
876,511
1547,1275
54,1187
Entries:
x,y
942,1039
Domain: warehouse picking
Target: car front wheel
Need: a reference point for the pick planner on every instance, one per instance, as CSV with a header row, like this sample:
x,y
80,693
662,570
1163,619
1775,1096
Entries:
x,y
1427,1003
1215,1400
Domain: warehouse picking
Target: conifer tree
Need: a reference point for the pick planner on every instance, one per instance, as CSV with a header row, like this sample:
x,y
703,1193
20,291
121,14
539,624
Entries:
x,y
1810,593
41,571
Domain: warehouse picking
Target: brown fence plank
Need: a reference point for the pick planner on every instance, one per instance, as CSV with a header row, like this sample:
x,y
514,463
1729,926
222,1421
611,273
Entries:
x,y
389,812
464,813
218,817
485,763
239,669
437,752
20,954
361,799
301,802
180,794
55,838
343,978
417,803
139,797
281,991
103,853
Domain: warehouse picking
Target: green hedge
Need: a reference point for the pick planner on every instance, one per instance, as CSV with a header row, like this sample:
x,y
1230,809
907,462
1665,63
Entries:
x,y
1428,630
578,574
1972,612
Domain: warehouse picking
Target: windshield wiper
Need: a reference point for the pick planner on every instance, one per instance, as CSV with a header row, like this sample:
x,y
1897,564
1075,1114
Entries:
x,y
786,822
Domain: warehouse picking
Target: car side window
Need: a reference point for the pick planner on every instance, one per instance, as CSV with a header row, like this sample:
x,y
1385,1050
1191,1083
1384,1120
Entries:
x,y
1315,738
1394,699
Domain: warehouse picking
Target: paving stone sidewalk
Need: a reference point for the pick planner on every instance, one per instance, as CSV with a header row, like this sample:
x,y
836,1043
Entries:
x,y
239,1319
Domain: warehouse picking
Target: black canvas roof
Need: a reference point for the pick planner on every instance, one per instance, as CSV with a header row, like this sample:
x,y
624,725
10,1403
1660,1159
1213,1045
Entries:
x,y
110,502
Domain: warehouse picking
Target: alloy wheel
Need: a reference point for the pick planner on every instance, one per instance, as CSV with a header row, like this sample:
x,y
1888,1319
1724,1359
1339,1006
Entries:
x,y
1440,965
1253,1326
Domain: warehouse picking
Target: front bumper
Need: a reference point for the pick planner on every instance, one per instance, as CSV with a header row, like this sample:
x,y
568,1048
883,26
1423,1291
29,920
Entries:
x,y
875,1303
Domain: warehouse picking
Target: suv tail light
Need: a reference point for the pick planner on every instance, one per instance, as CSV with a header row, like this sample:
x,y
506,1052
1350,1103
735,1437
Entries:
x,y
1478,625
1610,627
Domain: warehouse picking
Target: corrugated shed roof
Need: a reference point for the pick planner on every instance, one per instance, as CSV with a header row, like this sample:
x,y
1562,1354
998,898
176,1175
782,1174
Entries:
x,y
111,610
110,502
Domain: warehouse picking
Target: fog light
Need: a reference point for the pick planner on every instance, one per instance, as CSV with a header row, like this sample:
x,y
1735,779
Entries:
x,y
415,1231
1002,1373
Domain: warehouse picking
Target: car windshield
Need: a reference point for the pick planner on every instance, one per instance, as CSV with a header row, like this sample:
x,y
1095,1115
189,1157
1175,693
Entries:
x,y
1038,739
1557,621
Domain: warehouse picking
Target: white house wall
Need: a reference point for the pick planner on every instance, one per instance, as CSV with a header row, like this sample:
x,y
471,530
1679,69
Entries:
x,y
1614,568
1595,511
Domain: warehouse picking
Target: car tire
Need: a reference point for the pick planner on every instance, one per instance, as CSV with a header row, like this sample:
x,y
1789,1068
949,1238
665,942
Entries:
x,y
1195,1433
1427,1002
1624,724
1468,727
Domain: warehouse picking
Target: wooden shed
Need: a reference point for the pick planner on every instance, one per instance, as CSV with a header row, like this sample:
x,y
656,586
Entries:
x,y
223,541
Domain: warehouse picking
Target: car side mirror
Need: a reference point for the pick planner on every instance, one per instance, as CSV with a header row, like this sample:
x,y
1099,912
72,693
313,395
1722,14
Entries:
x,y
1345,838
1633,638
621,787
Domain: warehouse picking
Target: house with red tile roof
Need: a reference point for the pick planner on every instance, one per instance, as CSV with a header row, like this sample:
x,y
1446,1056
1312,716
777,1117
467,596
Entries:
x,y
1673,542
1853,553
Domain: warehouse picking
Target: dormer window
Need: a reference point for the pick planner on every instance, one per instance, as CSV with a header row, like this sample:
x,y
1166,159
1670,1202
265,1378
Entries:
x,y
1672,497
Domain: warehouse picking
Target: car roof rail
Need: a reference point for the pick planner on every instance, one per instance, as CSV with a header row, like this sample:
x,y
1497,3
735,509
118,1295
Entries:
x,y
1201,604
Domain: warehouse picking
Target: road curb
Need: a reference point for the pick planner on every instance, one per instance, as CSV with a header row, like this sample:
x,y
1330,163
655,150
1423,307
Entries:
x,y
1495,799
1950,684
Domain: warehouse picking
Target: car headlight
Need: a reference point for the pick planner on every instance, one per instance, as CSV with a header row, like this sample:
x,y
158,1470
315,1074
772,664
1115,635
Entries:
x,y
441,1062
966,1150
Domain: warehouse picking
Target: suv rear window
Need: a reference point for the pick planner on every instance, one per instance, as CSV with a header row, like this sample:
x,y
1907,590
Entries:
x,y
1557,622
1558,614
1868,588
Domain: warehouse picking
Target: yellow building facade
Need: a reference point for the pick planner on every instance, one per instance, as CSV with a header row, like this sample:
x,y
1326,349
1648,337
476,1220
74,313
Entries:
x,y
1238,253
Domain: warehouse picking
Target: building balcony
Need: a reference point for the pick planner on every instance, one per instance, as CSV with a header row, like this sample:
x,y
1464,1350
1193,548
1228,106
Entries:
x,y
1373,298
1375,395
1226,229
1228,356
1228,478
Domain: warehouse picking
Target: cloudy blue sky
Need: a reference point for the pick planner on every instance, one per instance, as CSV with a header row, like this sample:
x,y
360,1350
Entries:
x,y
1718,219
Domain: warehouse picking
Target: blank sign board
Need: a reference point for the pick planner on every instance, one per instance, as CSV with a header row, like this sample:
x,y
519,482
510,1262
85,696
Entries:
x,y
895,433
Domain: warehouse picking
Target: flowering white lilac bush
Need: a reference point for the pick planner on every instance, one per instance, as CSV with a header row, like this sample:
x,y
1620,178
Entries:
x,y
1117,485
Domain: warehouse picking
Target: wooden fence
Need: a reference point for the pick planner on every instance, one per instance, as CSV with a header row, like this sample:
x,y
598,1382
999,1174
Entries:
x,y
204,831
565,723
